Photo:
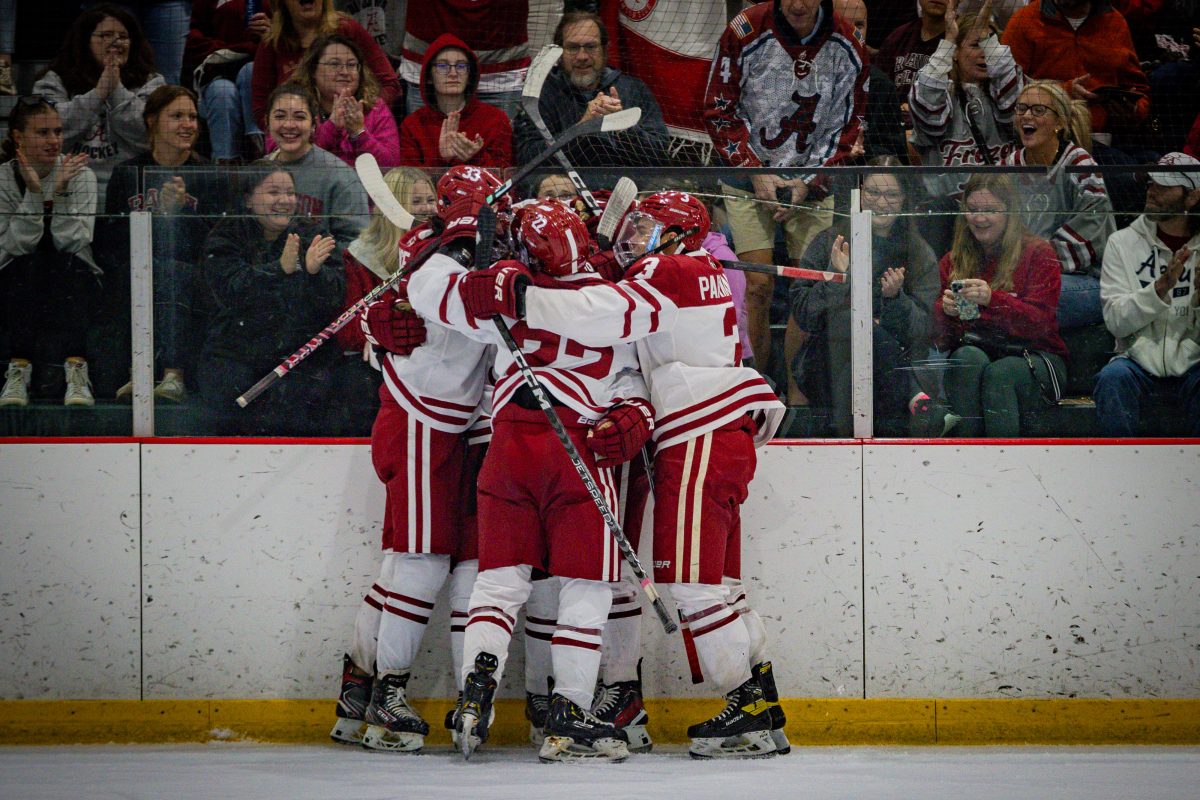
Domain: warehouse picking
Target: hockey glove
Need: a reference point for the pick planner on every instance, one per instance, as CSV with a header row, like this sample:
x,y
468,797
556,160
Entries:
x,y
500,289
394,326
622,431
605,264
462,219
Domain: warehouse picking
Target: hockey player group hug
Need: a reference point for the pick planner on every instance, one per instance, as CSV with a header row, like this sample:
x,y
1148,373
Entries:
x,y
637,350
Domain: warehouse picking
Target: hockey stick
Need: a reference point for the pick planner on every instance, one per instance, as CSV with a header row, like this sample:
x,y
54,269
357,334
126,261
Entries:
x,y
622,197
372,180
531,95
609,123
487,225
786,272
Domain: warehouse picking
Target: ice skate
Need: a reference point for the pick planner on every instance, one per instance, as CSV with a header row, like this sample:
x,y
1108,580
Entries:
x,y
576,734
741,730
476,713
620,704
766,679
452,720
392,724
351,705
537,706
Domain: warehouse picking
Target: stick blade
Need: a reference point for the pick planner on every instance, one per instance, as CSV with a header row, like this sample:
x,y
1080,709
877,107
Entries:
x,y
622,197
539,68
377,189
621,120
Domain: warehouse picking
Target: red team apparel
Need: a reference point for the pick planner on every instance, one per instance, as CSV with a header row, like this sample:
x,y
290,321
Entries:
x,y
679,311
774,100
496,30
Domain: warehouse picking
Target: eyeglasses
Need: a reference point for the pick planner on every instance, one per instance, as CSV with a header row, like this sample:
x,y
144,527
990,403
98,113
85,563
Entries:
x,y
968,210
564,196
891,197
574,49
337,66
1037,109
36,101
108,36
445,66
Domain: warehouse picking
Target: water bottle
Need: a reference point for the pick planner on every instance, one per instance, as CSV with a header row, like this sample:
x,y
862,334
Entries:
x,y
252,8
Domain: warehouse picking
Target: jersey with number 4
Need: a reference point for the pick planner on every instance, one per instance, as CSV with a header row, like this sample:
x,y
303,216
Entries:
x,y
586,379
679,311
443,381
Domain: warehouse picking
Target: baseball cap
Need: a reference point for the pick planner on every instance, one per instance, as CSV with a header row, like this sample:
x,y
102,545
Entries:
x,y
1188,180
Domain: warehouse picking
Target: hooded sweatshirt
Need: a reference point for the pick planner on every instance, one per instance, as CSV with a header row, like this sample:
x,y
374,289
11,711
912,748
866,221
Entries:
x,y
1162,337
420,131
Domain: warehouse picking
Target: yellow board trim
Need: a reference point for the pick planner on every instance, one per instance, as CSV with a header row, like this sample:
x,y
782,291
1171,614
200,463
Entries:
x,y
810,721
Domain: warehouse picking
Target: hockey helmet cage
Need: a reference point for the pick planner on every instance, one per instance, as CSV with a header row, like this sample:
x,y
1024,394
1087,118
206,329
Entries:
x,y
678,211
553,237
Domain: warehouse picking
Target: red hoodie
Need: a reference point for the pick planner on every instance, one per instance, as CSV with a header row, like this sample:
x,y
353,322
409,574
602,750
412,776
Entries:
x,y
420,131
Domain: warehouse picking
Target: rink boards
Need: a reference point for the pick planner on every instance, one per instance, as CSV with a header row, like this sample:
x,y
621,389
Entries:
x,y
913,592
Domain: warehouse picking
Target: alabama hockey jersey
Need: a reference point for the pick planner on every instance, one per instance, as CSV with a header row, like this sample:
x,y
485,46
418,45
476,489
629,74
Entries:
x,y
679,310
443,382
586,379
776,100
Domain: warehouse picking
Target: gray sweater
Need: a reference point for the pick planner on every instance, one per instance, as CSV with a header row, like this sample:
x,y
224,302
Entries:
x,y
329,191
22,214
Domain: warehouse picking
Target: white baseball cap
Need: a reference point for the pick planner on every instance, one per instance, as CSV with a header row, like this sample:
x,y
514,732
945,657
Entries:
x,y
1188,180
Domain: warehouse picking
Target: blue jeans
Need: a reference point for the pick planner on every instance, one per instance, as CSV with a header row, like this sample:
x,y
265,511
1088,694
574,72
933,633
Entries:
x,y
226,108
165,25
1079,302
1123,383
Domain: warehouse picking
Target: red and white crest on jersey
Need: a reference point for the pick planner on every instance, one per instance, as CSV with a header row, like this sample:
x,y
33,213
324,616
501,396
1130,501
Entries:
x,y
637,10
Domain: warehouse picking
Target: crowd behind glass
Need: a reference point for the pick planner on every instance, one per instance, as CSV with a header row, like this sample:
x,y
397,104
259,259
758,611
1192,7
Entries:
x,y
1038,279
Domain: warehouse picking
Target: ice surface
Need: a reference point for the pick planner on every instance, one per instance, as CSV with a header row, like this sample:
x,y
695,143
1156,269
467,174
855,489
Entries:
x,y
233,771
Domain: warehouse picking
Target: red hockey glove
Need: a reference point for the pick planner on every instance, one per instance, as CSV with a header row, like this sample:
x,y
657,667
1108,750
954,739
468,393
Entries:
x,y
393,326
606,266
622,431
462,219
500,289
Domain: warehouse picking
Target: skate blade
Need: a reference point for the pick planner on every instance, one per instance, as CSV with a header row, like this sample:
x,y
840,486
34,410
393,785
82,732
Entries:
x,y
563,749
381,739
468,741
780,740
639,740
757,744
348,731
536,736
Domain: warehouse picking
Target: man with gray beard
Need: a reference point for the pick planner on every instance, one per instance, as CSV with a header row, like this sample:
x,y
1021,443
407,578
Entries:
x,y
583,87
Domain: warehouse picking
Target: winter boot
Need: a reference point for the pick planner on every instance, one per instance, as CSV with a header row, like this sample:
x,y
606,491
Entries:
x,y
741,730
16,383
766,679
392,724
351,705
537,706
620,704
576,734
476,713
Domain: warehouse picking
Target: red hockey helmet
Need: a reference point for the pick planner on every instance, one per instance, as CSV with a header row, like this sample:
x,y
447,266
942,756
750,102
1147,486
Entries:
x,y
462,182
678,211
554,237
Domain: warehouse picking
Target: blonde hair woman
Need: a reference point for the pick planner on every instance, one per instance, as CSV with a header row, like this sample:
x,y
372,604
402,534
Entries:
x,y
1070,209
1000,287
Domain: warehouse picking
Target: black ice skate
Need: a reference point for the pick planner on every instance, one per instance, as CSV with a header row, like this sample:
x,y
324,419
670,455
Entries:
x,y
392,724
766,679
741,730
575,734
451,720
351,705
620,704
476,713
537,706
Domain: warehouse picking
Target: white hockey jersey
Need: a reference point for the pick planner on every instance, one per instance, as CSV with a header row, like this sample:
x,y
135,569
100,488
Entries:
x,y
679,310
586,379
443,382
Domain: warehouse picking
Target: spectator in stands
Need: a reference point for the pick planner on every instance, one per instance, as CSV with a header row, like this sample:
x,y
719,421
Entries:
x,y
219,63
1166,34
1071,209
8,45
165,24
716,244
355,118
273,285
886,17
583,87
556,186
170,180
1007,361
1150,286
904,289
295,25
807,118
882,132
962,110
325,186
99,82
1086,45
371,258
496,31
909,47
453,126
49,281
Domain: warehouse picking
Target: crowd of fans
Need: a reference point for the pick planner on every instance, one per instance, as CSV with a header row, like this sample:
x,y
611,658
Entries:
x,y
238,129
